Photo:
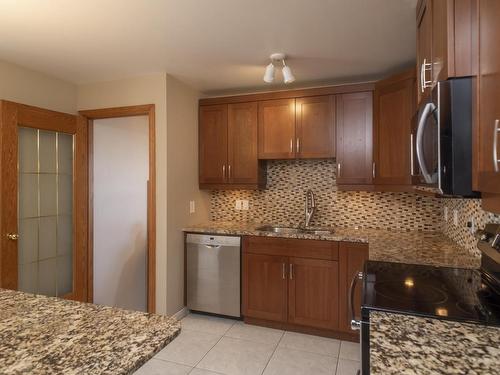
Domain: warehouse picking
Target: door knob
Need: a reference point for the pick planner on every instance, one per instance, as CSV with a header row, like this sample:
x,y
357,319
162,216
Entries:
x,y
13,236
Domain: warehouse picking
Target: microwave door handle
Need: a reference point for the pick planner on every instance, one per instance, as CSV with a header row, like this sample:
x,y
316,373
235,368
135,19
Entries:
x,y
428,109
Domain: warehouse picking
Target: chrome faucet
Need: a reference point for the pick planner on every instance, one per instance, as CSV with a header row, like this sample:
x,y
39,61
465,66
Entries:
x,y
310,207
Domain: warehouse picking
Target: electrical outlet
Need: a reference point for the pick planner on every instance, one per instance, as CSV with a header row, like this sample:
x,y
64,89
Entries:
x,y
192,207
455,218
446,214
244,204
472,225
237,206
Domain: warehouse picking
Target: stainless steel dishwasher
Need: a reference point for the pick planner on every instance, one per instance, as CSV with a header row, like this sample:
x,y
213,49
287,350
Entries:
x,y
213,274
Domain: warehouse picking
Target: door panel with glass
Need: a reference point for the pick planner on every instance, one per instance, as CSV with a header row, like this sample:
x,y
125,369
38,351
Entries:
x,y
42,194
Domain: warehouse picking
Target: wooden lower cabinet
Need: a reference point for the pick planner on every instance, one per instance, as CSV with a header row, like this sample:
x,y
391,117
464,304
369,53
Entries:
x,y
265,287
313,293
352,257
299,284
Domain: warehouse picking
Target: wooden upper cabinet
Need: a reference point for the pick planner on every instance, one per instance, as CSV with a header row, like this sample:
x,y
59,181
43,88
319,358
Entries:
x,y
488,127
315,128
242,145
354,138
213,144
265,286
277,129
313,292
424,48
394,106
445,41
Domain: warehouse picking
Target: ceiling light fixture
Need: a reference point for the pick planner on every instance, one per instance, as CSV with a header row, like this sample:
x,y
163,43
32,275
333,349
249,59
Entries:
x,y
270,69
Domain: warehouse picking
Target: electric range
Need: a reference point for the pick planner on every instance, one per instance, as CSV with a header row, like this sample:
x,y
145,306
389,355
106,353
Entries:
x,y
436,292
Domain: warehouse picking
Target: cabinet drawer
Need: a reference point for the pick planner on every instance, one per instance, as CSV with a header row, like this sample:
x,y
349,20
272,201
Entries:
x,y
314,249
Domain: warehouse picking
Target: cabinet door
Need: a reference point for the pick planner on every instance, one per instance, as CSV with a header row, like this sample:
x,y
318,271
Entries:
x,y
265,287
354,138
315,127
242,147
394,106
313,293
213,144
424,48
352,257
277,129
489,97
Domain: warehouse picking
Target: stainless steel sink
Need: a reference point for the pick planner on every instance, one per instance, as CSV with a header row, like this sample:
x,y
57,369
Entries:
x,y
281,230
292,230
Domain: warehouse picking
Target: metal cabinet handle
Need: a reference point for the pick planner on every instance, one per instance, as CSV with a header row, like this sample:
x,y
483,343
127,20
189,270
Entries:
x,y
426,67
229,171
374,170
496,133
298,145
422,88
13,236
291,145
224,171
283,271
355,324
412,172
338,169
291,271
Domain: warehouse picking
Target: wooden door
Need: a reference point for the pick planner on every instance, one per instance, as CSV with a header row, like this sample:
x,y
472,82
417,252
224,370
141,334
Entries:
x,y
242,143
424,49
394,106
213,143
277,129
264,287
313,295
352,257
43,227
354,139
315,127
488,129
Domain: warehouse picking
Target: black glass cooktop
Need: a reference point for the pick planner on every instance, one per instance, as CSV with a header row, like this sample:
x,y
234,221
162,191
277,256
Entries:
x,y
439,292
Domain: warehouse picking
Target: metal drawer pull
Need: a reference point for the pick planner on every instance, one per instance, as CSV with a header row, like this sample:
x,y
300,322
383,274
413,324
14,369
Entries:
x,y
229,170
224,171
283,271
355,324
298,145
495,146
291,271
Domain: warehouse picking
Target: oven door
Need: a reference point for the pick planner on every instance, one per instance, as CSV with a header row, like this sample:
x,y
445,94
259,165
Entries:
x,y
425,145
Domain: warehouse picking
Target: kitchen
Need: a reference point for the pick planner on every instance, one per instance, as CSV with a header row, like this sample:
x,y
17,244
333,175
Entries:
x,y
334,215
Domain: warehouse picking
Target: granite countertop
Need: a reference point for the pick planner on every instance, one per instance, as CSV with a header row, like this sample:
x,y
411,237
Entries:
x,y
431,248
402,344
47,335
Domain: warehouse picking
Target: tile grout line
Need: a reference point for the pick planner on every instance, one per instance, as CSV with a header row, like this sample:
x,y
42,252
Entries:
x,y
274,351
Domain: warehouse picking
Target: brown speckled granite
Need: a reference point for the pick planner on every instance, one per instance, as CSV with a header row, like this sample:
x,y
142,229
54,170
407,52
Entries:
x,y
401,344
46,335
430,248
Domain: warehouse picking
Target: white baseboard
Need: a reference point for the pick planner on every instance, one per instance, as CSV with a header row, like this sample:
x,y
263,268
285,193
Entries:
x,y
181,313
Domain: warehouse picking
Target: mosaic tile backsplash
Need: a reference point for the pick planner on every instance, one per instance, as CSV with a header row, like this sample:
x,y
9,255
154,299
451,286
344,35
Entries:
x,y
283,201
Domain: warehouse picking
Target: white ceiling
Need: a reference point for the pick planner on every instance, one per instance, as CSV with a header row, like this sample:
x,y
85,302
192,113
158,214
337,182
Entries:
x,y
214,45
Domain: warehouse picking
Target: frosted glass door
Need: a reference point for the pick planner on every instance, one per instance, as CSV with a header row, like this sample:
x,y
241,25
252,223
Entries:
x,y
45,212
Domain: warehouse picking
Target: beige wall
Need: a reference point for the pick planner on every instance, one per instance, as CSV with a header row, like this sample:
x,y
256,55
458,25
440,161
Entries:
x,y
142,90
182,183
26,86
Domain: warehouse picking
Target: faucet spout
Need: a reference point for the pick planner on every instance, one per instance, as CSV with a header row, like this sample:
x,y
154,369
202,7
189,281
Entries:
x,y
310,207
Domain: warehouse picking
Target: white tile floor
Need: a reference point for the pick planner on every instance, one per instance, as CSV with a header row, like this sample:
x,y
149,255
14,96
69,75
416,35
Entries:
x,y
211,346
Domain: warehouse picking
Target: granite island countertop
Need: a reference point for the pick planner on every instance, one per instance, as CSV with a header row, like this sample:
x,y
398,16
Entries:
x,y
410,345
431,248
47,335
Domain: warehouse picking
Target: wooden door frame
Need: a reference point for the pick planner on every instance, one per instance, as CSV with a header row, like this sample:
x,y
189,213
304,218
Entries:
x,y
88,117
13,115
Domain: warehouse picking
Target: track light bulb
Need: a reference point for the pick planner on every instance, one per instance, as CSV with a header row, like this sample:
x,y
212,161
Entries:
x,y
269,74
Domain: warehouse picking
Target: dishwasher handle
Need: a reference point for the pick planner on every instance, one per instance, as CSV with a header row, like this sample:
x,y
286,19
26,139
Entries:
x,y
213,246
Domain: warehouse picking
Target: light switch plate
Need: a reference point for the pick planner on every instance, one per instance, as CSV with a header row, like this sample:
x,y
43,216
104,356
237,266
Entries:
x,y
244,204
237,206
446,214
192,207
472,227
455,218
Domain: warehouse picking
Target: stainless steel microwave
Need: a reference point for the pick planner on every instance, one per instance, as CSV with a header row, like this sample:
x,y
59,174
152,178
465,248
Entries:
x,y
442,140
